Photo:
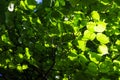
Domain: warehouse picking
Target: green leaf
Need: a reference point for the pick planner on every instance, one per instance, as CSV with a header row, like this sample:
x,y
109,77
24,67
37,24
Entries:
x,y
5,39
73,54
83,58
24,66
96,58
103,49
22,5
105,67
117,42
27,53
81,45
57,3
88,35
103,78
92,67
30,4
90,26
19,67
95,15
62,2
101,26
102,38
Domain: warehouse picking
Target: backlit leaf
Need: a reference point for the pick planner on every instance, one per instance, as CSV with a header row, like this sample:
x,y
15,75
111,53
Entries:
x,y
95,15
27,53
82,45
101,26
103,49
88,35
102,38
90,26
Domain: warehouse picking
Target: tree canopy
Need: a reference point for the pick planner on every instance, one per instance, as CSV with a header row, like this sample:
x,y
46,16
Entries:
x,y
60,39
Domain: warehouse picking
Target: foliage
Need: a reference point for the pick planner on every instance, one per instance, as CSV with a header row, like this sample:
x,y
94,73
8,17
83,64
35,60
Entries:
x,y
59,40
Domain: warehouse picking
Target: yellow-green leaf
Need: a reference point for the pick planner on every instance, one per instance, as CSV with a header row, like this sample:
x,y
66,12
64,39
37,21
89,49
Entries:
x,y
82,45
103,49
90,26
102,38
88,35
27,53
101,26
95,15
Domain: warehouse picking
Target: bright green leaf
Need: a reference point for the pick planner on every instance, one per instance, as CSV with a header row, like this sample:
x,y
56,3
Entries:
x,y
30,4
96,58
103,49
20,55
102,38
24,66
72,58
82,45
5,39
19,67
95,15
89,35
101,26
57,3
117,42
27,53
90,26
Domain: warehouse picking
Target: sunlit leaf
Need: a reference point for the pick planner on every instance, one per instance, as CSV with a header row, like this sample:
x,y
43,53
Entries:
x,y
101,26
38,20
19,67
95,15
83,58
88,35
90,26
20,55
104,2
22,4
57,3
117,42
102,38
72,58
24,66
5,38
73,54
30,4
27,53
94,57
103,49
81,45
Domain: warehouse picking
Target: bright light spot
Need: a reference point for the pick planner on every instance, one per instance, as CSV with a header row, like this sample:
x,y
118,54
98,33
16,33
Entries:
x,y
24,66
66,19
24,28
11,7
38,1
20,55
57,77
